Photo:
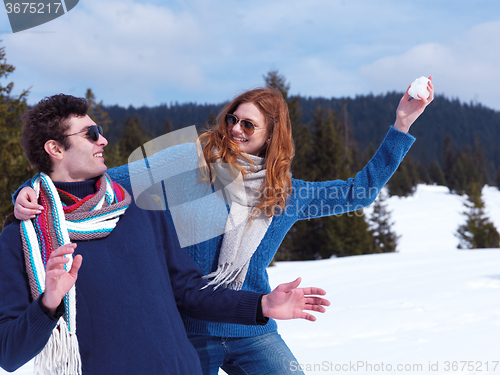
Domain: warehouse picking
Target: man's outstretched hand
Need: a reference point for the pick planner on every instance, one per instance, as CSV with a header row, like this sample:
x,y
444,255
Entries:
x,y
289,302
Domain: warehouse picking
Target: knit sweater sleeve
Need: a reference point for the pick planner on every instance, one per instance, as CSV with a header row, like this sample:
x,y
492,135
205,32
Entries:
x,y
24,327
120,175
16,193
220,305
316,199
140,175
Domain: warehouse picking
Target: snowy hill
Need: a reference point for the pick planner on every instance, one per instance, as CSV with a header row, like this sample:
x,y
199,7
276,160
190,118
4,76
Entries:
x,y
427,309
430,308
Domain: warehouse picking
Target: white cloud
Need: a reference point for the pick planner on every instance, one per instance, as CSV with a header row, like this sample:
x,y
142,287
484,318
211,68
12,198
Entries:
x,y
136,52
465,67
313,76
124,48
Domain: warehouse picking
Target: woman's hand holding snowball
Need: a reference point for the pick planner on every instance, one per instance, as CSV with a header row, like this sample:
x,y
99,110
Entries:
x,y
409,110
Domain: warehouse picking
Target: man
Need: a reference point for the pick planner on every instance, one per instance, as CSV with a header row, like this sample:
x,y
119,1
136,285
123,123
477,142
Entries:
x,y
94,284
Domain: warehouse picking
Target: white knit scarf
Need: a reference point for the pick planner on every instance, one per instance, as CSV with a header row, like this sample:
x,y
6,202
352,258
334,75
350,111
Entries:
x,y
242,235
61,354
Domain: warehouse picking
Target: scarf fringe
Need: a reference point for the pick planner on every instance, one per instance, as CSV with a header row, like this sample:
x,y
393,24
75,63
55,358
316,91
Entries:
x,y
61,354
224,276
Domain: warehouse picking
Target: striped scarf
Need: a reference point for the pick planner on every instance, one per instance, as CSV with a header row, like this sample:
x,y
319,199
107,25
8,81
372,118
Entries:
x,y
64,218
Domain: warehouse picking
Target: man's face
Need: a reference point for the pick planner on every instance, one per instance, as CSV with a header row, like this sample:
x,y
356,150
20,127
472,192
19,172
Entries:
x,y
83,160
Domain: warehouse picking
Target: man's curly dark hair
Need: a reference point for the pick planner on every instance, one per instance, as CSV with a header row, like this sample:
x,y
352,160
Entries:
x,y
48,120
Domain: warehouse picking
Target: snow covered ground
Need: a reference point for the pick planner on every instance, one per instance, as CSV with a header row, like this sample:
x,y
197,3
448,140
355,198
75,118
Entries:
x,y
430,308
427,309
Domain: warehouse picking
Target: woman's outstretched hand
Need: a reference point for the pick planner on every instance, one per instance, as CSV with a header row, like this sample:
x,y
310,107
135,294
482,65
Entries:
x,y
409,110
289,302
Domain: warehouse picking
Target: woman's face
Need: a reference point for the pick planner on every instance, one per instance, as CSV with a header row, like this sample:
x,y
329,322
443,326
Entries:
x,y
249,144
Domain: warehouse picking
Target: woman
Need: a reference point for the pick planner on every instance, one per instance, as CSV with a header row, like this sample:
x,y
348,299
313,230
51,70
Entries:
x,y
253,136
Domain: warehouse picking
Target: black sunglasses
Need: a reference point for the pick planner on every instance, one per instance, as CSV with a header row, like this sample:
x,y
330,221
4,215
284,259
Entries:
x,y
93,132
246,126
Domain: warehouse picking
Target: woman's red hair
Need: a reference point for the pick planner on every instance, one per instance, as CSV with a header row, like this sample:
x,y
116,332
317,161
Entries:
x,y
278,152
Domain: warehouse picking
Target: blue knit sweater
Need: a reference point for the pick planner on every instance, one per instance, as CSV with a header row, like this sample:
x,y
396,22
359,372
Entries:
x,y
130,289
308,200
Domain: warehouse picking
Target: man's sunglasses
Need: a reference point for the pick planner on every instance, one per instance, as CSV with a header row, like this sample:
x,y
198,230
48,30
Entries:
x,y
93,132
246,126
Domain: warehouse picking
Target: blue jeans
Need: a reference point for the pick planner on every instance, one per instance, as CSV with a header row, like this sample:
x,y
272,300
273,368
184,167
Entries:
x,y
258,355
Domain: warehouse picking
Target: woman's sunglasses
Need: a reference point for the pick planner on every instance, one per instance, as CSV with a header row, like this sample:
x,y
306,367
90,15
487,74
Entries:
x,y
93,132
246,126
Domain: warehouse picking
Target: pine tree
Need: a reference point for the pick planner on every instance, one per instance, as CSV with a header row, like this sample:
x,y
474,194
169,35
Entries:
x,y
321,238
13,164
300,165
167,128
459,177
274,79
337,235
96,111
211,120
112,154
330,160
478,232
301,133
479,164
448,161
381,226
463,169
134,136
436,174
422,171
345,235
404,180
498,178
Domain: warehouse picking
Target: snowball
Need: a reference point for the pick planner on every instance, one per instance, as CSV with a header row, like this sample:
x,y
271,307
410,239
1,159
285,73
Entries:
x,y
419,87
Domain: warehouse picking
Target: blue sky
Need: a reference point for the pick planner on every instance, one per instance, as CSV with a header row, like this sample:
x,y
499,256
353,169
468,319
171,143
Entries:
x,y
152,52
